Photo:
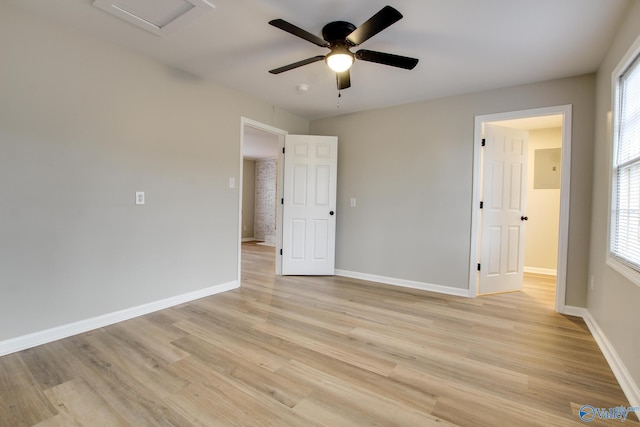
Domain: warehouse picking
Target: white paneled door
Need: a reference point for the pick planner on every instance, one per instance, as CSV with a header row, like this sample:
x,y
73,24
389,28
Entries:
x,y
504,184
309,214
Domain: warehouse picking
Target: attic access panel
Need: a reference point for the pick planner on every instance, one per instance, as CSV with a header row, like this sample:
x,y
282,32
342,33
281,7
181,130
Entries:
x,y
157,16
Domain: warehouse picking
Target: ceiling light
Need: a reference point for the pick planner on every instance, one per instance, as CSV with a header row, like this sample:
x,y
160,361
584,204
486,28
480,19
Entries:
x,y
339,59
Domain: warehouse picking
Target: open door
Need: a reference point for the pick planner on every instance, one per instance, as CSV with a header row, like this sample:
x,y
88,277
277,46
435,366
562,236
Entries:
x,y
309,211
503,215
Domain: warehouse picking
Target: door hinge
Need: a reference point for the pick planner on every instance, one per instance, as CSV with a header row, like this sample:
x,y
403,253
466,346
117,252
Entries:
x,y
481,205
478,266
280,251
484,142
282,150
282,201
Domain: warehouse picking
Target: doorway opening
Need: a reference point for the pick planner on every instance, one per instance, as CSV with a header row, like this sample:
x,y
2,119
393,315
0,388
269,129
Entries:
x,y
544,250
261,172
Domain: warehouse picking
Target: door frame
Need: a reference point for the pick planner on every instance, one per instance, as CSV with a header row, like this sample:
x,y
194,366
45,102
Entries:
x,y
565,181
281,134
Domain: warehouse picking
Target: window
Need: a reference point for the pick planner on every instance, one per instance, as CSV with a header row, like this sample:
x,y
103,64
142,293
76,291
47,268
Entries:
x,y
625,215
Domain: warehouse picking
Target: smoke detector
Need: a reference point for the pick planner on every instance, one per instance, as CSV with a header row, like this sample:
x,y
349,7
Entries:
x,y
157,16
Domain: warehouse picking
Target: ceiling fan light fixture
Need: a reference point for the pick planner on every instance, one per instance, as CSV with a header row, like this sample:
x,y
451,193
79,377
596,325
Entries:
x,y
339,37
340,59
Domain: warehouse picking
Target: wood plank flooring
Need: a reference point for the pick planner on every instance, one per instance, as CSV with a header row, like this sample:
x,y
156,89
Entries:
x,y
319,351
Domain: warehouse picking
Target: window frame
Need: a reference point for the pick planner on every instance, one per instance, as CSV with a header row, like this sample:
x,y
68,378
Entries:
x,y
628,269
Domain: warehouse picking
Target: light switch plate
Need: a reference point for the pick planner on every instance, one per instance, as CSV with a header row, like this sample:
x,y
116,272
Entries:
x,y
232,182
139,197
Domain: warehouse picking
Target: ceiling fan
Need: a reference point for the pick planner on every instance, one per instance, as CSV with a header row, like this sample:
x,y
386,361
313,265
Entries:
x,y
339,37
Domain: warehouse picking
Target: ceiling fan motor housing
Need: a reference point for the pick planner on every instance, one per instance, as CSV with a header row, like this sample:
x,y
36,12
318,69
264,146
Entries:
x,y
336,32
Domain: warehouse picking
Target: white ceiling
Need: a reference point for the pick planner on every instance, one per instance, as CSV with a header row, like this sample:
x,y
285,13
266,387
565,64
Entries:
x,y
258,144
531,123
463,45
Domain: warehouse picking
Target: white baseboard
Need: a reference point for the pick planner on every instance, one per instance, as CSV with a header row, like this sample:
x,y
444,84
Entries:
x,y
544,271
571,310
404,283
249,239
627,384
42,337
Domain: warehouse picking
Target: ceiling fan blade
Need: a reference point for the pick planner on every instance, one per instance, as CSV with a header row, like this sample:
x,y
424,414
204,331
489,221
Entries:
x,y
299,32
297,64
387,59
343,79
378,22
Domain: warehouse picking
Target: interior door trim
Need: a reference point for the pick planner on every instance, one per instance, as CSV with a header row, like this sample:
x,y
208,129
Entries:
x,y
246,122
563,229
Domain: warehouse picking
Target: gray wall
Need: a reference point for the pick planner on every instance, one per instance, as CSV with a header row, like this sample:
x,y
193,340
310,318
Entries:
x,y
83,125
614,301
410,169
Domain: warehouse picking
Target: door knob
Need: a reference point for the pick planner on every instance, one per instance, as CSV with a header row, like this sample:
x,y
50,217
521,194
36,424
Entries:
x,y
524,218
330,212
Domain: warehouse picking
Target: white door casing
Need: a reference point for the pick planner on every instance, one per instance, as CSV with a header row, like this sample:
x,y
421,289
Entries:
x,y
503,194
280,134
309,211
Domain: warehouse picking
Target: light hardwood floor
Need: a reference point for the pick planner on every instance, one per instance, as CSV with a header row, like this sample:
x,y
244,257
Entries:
x,y
307,351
